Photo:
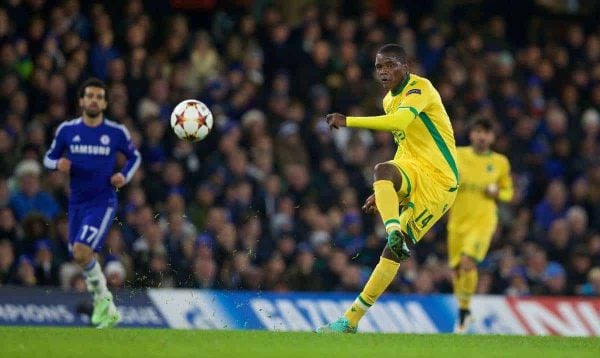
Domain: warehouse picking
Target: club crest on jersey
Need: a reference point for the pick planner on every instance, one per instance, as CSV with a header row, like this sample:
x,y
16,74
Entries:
x,y
414,90
104,139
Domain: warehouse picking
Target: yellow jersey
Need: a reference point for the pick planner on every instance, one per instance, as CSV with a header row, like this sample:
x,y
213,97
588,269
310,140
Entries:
x,y
420,125
473,209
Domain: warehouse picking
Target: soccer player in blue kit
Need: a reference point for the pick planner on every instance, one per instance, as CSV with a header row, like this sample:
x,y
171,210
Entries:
x,y
86,149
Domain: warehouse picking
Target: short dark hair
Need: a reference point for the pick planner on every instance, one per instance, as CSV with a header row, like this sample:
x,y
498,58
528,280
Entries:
x,y
92,82
483,123
396,50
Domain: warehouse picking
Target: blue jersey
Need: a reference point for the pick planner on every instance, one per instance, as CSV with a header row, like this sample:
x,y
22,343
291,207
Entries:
x,y
92,152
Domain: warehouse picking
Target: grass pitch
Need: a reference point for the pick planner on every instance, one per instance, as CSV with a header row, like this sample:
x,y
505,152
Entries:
x,y
88,342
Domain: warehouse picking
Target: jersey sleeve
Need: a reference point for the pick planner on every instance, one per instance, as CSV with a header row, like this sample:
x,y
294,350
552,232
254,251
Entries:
x,y
505,184
415,101
56,149
134,159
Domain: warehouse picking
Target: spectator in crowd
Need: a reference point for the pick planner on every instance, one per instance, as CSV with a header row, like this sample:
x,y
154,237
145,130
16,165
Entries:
x,y
46,269
553,205
25,272
9,228
115,275
592,287
7,259
302,275
204,274
115,250
29,197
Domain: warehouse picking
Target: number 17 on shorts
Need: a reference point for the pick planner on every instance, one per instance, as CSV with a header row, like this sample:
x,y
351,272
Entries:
x,y
89,225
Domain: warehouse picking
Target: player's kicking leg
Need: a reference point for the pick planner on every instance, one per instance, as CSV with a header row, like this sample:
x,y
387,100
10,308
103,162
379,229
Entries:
x,y
465,284
388,182
380,279
90,237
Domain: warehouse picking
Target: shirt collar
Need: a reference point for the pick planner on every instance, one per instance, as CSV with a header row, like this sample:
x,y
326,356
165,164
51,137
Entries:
x,y
398,89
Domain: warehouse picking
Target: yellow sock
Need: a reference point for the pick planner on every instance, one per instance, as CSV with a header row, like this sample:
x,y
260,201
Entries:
x,y
465,287
387,203
380,279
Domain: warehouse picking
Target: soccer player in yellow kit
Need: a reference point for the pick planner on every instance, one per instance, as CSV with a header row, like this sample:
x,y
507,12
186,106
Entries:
x,y
485,179
422,178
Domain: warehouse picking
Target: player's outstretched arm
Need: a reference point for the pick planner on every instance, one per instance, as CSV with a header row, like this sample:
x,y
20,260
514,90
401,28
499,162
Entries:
x,y
414,102
396,121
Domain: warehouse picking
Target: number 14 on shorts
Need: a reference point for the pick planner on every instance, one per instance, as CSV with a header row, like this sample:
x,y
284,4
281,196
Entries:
x,y
424,218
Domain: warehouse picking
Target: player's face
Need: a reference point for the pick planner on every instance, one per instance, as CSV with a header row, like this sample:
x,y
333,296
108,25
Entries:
x,y
390,70
93,101
481,138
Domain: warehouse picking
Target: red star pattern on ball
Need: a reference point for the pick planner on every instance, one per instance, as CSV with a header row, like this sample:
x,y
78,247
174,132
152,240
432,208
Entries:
x,y
201,118
180,120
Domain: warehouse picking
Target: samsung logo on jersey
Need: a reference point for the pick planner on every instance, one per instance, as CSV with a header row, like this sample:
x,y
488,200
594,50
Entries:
x,y
90,149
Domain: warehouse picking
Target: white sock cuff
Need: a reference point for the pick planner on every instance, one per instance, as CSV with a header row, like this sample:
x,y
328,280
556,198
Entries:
x,y
90,266
361,303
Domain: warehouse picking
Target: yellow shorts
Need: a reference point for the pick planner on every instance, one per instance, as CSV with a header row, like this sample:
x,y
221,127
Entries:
x,y
474,243
423,199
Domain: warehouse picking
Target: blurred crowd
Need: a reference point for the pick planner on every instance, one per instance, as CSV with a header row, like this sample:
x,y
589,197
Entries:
x,y
271,199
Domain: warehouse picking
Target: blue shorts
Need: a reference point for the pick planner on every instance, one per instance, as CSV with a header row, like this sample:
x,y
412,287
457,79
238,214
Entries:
x,y
89,223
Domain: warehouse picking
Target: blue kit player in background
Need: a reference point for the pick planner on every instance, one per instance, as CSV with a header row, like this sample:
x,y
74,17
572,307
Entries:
x,y
86,149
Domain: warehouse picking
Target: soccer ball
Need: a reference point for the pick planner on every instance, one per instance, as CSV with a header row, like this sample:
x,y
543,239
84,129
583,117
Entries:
x,y
191,120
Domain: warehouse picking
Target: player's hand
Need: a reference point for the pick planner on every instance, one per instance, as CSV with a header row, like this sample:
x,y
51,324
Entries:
x,y
118,180
63,165
369,207
335,120
491,191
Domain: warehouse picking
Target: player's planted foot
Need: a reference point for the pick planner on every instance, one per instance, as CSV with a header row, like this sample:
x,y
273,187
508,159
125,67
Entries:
x,y
111,318
101,308
341,325
465,319
397,243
